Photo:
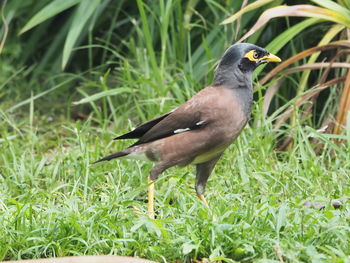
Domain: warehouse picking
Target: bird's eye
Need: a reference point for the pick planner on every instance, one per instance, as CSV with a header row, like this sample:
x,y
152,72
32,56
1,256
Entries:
x,y
255,55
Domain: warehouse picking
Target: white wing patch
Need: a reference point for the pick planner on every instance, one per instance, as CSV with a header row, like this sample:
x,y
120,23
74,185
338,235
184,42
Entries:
x,y
200,123
181,130
188,129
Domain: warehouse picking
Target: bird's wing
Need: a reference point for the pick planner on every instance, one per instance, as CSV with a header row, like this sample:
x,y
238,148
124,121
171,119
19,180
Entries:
x,y
176,122
141,130
187,117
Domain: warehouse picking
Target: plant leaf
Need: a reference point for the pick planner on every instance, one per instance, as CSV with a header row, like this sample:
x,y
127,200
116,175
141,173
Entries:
x,y
331,33
27,101
305,53
148,38
344,106
332,5
246,9
96,96
81,16
309,94
285,37
297,10
320,65
345,3
272,89
188,247
52,9
270,93
281,217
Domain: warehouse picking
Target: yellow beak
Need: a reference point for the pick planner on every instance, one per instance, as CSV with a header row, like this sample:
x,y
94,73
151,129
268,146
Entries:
x,y
271,58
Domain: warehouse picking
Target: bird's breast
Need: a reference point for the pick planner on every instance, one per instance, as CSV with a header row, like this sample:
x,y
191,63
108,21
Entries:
x,y
234,112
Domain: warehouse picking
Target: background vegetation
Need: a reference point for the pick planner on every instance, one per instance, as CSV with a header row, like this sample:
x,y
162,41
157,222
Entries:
x,y
76,73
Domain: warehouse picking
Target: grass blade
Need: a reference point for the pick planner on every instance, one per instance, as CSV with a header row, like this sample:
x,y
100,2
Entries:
x,y
344,106
5,27
106,93
281,217
333,6
38,95
272,89
252,6
331,33
305,98
52,9
296,10
305,53
81,17
148,38
285,37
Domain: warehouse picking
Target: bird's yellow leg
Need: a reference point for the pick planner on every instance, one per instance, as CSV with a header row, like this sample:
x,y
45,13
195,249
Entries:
x,y
135,209
150,204
202,198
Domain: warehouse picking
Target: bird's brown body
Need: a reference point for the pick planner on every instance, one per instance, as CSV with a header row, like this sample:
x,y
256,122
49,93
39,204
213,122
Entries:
x,y
201,129
221,125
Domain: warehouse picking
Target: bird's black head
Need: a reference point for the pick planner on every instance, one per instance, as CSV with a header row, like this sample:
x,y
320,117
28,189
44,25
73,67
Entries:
x,y
242,59
246,57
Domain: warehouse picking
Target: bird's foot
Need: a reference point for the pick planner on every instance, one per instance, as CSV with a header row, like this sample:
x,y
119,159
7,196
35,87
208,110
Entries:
x,y
205,203
135,209
203,200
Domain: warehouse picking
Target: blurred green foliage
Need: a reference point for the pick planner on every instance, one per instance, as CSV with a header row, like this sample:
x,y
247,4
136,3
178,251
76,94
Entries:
x,y
174,44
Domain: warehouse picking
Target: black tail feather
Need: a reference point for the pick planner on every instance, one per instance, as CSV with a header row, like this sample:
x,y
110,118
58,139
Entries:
x,y
141,130
112,156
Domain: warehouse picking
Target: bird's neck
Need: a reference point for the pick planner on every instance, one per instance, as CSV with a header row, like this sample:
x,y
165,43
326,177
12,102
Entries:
x,y
232,77
245,96
239,82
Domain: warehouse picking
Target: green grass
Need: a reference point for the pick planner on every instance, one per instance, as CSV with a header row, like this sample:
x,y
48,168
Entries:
x,y
54,204
145,59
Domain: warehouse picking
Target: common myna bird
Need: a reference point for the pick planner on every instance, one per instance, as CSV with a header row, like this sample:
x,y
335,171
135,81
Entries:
x,y
199,131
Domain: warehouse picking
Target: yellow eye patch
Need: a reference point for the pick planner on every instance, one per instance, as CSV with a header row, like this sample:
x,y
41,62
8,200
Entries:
x,y
252,55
